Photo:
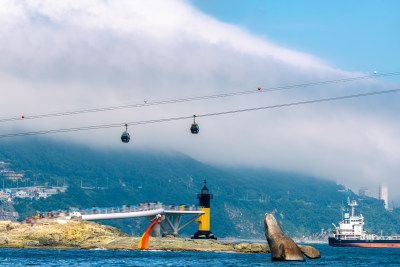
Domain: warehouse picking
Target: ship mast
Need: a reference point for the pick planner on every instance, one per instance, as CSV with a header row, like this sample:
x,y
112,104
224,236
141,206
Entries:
x,y
352,205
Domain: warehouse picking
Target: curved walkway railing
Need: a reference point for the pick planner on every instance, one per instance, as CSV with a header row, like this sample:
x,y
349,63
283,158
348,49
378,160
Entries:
x,y
125,211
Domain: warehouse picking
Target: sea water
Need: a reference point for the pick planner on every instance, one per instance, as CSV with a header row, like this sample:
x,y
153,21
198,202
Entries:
x,y
331,256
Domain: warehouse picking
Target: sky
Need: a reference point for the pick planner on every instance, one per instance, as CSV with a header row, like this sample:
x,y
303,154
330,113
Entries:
x,y
61,56
351,35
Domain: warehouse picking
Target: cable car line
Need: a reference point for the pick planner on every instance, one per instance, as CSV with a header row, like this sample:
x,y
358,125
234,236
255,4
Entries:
x,y
181,100
95,127
301,103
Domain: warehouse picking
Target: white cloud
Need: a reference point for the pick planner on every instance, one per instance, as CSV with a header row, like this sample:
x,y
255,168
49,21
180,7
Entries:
x,y
67,55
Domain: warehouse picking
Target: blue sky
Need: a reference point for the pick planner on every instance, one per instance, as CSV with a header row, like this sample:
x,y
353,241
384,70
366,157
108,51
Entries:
x,y
350,35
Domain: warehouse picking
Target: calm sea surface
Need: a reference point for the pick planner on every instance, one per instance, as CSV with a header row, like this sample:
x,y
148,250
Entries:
x,y
330,257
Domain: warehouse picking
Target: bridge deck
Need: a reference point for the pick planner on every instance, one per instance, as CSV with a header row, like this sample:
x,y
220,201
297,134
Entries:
x,y
122,212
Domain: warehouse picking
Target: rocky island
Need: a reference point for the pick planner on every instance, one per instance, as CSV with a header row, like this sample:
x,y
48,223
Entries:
x,y
50,233
79,234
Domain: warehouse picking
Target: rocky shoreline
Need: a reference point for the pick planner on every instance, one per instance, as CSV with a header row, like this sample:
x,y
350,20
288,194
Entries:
x,y
78,234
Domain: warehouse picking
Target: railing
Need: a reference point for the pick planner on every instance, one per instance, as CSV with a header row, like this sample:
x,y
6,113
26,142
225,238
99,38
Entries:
x,y
367,237
384,238
117,209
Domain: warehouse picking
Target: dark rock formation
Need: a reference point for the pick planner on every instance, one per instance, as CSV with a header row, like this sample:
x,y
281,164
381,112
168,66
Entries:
x,y
282,247
310,252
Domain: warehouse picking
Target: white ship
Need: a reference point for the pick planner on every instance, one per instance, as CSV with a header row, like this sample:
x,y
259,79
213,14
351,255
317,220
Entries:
x,y
350,233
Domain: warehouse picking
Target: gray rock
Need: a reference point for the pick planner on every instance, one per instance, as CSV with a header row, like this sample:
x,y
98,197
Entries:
x,y
310,252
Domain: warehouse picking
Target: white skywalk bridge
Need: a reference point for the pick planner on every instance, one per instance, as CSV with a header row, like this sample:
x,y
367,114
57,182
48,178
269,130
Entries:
x,y
119,214
170,215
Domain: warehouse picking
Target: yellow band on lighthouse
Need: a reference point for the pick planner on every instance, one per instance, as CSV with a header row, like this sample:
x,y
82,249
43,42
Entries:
x,y
204,220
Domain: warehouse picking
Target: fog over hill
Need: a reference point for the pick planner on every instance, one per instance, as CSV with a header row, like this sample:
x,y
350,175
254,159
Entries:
x,y
303,204
65,56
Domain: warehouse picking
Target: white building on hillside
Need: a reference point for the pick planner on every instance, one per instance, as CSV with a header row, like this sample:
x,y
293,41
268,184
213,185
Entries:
x,y
383,194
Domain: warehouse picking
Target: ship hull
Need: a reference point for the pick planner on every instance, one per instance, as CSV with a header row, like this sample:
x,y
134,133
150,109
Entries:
x,y
364,243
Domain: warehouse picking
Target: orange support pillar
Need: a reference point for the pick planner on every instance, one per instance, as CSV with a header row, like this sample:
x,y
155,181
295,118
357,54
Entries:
x,y
144,241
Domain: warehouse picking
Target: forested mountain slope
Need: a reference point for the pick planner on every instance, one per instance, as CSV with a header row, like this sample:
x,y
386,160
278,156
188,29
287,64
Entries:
x,y
304,205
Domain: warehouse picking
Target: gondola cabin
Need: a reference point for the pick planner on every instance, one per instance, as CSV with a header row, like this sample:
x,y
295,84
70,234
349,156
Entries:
x,y
194,128
125,137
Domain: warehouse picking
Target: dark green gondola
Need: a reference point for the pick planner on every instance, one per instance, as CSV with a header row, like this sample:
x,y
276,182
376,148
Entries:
x,y
195,127
125,137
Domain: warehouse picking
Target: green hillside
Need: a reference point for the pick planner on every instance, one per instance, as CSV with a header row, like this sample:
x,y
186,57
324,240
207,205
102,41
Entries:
x,y
304,205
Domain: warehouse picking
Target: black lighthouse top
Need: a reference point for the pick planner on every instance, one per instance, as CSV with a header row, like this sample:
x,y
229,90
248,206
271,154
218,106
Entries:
x,y
204,197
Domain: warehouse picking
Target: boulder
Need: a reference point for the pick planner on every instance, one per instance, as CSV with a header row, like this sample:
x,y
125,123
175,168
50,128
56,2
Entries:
x,y
309,251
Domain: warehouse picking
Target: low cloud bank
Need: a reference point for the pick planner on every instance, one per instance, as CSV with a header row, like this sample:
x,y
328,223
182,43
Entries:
x,y
60,56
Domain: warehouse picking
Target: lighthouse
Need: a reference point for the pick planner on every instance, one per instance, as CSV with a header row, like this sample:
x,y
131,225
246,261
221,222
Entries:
x,y
204,220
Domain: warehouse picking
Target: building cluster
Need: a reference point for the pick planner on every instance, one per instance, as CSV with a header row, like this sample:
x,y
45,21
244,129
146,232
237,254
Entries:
x,y
31,192
9,174
382,195
34,192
